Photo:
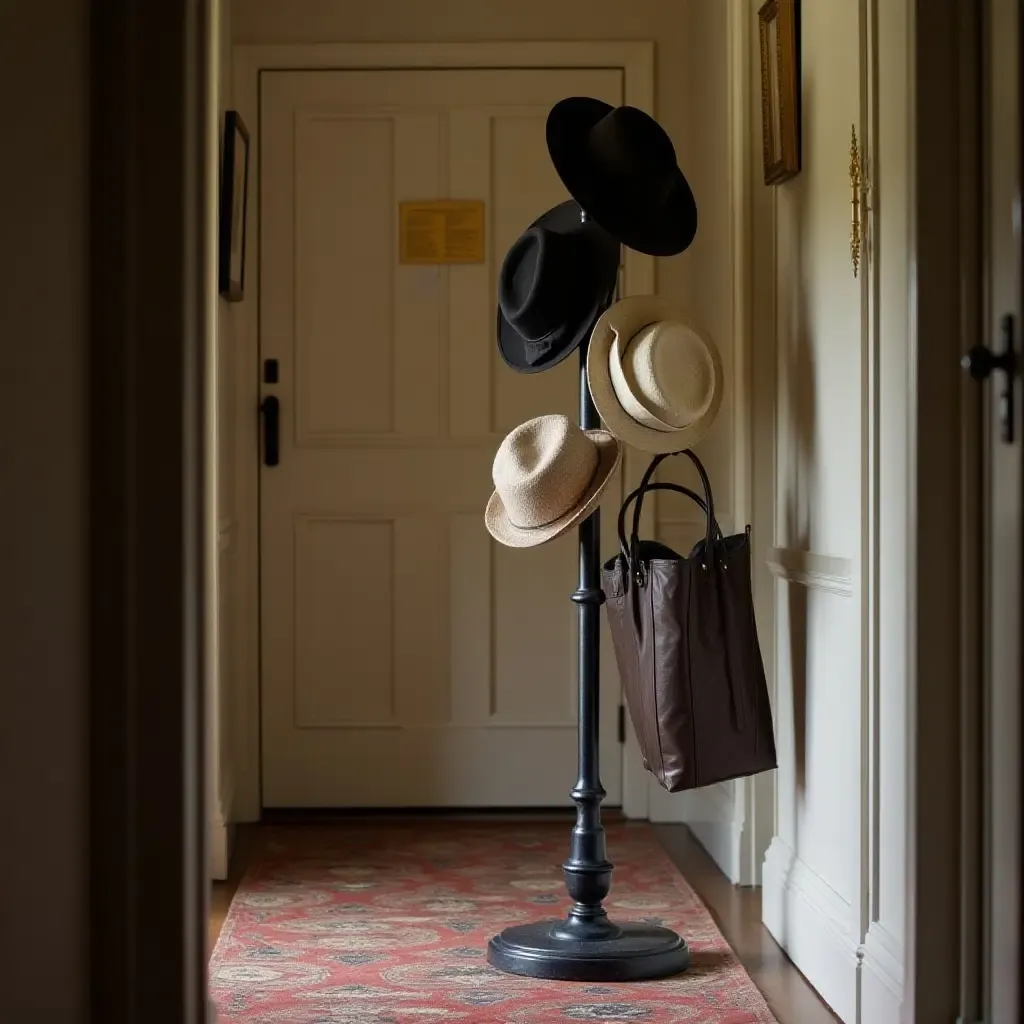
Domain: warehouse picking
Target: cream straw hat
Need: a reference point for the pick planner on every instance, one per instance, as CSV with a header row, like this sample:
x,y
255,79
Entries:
x,y
548,476
655,377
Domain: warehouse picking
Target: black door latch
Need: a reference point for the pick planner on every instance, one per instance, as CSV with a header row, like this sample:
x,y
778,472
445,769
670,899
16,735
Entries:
x,y
270,407
981,361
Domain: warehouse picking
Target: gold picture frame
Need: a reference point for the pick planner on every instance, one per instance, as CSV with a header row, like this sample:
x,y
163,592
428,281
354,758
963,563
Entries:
x,y
780,90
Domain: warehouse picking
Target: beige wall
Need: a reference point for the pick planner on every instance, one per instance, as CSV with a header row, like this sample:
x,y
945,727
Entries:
x,y
832,361
690,97
43,655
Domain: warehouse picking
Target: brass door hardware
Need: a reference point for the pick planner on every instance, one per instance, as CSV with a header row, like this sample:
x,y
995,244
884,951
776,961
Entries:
x,y
859,188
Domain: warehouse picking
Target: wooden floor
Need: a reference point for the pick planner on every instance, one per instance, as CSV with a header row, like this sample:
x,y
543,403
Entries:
x,y
736,911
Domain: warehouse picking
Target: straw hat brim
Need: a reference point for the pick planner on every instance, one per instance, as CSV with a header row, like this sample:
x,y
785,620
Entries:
x,y
625,319
505,532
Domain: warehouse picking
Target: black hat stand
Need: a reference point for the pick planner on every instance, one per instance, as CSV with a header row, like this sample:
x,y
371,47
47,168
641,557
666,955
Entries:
x,y
587,945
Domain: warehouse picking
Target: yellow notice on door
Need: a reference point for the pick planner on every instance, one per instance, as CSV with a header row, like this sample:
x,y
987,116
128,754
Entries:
x,y
441,231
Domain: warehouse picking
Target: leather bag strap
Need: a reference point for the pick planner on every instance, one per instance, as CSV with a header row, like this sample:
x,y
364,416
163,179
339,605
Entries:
x,y
631,497
708,505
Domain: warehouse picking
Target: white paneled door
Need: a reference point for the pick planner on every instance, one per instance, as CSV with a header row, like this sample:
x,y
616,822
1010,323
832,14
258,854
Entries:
x,y
407,661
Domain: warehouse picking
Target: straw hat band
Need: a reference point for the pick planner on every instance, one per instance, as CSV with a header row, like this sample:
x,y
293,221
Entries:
x,y
663,376
655,376
534,508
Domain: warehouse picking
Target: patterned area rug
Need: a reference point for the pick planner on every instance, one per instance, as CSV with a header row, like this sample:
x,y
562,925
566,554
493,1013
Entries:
x,y
389,924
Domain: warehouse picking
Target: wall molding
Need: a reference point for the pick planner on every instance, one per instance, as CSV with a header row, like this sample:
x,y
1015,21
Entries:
x,y
818,572
636,59
881,981
815,925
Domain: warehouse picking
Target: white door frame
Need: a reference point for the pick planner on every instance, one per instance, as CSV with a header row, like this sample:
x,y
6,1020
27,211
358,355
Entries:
x,y
636,60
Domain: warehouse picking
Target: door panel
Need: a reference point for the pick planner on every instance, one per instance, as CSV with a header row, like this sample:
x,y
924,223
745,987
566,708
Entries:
x,y
407,660
1003,525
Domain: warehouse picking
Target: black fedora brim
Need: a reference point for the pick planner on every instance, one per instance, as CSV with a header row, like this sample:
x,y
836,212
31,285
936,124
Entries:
x,y
665,231
566,218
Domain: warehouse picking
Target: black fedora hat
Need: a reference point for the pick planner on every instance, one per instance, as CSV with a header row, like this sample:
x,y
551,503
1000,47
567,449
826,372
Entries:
x,y
620,165
555,282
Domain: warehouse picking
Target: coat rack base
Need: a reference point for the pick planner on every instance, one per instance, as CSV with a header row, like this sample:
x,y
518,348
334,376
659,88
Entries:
x,y
628,952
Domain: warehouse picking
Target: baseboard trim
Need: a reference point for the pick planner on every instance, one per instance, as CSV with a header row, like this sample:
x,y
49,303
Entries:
x,y
814,925
881,982
711,815
221,834
221,839
722,840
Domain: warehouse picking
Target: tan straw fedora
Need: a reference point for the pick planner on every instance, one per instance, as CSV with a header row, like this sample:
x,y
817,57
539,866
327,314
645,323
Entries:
x,y
548,476
655,377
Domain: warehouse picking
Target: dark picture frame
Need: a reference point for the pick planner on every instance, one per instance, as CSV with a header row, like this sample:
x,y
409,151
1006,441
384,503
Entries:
x,y
234,194
780,89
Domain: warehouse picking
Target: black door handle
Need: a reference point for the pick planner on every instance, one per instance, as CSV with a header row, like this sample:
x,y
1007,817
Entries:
x,y
270,408
981,361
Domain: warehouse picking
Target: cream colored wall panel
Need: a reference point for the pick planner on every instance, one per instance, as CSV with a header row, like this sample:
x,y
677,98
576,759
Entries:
x,y
470,619
344,190
419,317
818,733
820,316
534,635
471,287
819,868
344,650
421,620
815,925
892,244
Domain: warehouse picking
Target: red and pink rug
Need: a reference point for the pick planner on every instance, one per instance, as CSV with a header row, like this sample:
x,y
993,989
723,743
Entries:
x,y
388,924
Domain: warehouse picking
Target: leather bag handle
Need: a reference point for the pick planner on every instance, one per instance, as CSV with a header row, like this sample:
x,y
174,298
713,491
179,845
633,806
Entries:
x,y
679,489
636,570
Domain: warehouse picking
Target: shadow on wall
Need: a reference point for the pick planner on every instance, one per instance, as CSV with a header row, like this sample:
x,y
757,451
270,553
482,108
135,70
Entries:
x,y
798,415
798,431
796,387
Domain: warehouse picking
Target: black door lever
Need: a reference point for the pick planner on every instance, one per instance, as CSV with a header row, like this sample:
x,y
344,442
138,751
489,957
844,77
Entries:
x,y
980,363
270,408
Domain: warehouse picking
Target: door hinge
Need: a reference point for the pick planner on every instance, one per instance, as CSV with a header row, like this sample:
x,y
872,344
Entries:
x,y
622,724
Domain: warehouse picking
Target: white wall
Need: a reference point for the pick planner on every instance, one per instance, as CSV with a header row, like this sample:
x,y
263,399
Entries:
x,y
692,99
835,876
888,821
43,437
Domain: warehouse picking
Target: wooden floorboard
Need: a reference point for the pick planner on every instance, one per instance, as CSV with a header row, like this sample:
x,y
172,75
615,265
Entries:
x,y
737,912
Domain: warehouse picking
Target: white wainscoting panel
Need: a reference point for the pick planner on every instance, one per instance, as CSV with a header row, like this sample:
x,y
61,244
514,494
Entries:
x,y
815,924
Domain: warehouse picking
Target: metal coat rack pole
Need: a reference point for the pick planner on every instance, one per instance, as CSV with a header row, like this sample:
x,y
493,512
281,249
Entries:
x,y
587,945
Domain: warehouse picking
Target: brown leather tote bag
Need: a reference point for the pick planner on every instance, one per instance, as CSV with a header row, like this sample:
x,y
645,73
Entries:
x,y
686,646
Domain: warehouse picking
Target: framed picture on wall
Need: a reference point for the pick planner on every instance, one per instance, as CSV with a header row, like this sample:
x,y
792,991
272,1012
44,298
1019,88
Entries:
x,y
234,187
780,89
